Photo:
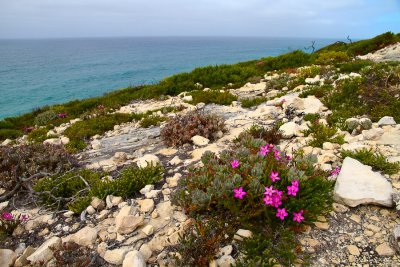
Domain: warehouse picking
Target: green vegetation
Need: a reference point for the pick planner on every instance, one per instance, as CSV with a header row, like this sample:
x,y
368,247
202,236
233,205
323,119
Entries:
x,y
354,66
39,135
317,90
182,128
75,189
321,133
45,117
212,96
270,135
332,57
252,101
376,160
311,117
152,120
293,59
237,193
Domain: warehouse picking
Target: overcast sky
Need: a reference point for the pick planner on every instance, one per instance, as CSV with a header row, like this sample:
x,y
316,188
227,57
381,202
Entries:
x,y
277,18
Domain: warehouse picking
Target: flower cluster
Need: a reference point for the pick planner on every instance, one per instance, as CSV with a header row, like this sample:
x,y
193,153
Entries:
x,y
101,107
8,222
62,115
9,217
336,171
273,196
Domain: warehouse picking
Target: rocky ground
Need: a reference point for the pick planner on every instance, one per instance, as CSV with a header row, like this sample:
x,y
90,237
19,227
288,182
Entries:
x,y
360,231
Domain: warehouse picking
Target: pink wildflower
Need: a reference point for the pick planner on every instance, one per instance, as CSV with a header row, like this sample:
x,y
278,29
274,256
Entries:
x,y
264,150
292,190
7,216
24,217
269,191
281,214
336,171
276,201
295,183
101,107
298,217
62,115
235,163
288,157
274,176
268,200
239,193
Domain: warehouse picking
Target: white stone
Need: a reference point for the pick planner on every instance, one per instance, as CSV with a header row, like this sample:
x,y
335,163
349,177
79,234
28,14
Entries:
x,y
387,120
152,194
242,233
358,184
7,257
146,189
116,256
146,252
175,161
64,140
289,129
3,205
200,140
188,98
134,259
120,157
97,203
147,159
313,105
173,181
226,261
146,205
227,250
6,142
96,144
52,141
85,237
90,210
43,254
372,134
126,222
148,230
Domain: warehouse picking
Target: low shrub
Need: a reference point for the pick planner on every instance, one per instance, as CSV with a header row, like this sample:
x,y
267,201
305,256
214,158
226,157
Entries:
x,y
290,60
354,66
9,134
152,120
270,135
212,96
75,145
312,117
73,255
278,83
39,135
18,165
75,189
376,160
332,57
308,72
260,188
321,133
45,117
318,91
252,101
182,128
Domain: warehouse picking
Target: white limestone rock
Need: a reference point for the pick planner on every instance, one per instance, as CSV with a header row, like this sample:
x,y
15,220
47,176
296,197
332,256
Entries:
x,y
147,159
289,129
7,257
387,120
357,184
134,259
43,254
200,140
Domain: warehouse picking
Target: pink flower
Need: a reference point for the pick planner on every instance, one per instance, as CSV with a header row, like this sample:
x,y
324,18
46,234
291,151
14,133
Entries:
x,y
268,200
235,163
239,193
264,150
276,201
298,217
277,154
281,213
101,107
7,216
24,218
292,190
288,157
62,115
295,183
336,171
274,176
269,191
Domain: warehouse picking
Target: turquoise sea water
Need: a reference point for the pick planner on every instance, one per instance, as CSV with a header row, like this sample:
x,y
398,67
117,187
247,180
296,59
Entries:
x,y
35,73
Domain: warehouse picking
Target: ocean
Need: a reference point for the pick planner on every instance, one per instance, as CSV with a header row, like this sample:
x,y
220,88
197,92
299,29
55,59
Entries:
x,y
34,73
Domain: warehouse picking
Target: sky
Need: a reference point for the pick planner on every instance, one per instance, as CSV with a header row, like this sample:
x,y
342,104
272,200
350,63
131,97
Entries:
x,y
274,18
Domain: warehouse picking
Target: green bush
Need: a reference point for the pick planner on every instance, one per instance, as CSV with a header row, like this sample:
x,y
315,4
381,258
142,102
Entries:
x,y
212,96
256,191
39,135
318,91
290,60
152,120
270,135
75,145
308,72
75,189
321,134
332,57
354,66
45,117
9,134
312,117
376,160
182,128
252,101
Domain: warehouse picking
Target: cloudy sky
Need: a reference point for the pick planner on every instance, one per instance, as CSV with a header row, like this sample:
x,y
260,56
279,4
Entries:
x,y
283,18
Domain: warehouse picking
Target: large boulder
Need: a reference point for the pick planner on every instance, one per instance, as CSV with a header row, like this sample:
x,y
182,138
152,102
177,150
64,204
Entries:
x,y
134,259
358,184
386,121
7,257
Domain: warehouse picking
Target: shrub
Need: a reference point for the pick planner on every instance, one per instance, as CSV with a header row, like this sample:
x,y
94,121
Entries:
x,y
257,186
354,66
212,96
39,135
75,189
332,57
182,128
75,146
8,222
73,255
271,136
45,117
290,60
278,83
377,161
308,72
9,134
316,90
252,101
152,120
322,134
19,165
312,117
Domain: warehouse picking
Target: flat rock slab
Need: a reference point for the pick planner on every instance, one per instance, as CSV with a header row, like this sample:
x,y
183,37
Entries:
x,y
357,184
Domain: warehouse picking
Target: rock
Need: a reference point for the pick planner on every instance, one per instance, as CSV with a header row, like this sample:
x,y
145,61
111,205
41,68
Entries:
x,y
134,259
327,157
64,140
6,142
3,205
188,98
242,233
173,181
120,157
200,140
22,261
168,151
90,210
352,123
7,257
116,256
53,141
365,123
289,129
227,250
384,250
96,144
175,161
330,146
97,203
226,261
146,205
146,252
152,194
357,184
146,189
313,105
43,254
68,214
353,250
339,208
322,225
147,159
296,103
85,237
387,120
372,134
126,222
148,230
